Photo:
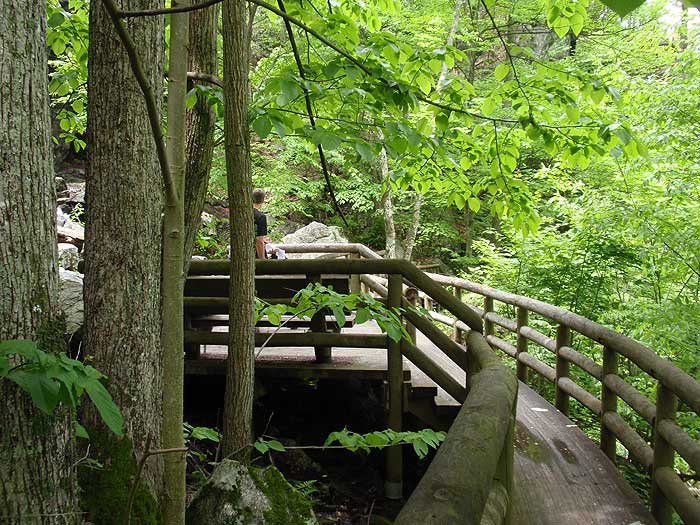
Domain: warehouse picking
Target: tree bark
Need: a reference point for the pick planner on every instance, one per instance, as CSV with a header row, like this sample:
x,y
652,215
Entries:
x,y
201,121
413,228
238,409
38,483
124,206
388,205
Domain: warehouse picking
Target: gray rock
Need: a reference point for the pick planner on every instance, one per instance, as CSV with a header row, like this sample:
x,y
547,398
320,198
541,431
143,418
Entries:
x,y
314,233
239,495
68,256
71,299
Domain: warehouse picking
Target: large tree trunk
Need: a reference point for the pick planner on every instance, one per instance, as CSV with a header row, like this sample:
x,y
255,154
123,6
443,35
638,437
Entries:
x,y
37,484
123,241
201,121
238,409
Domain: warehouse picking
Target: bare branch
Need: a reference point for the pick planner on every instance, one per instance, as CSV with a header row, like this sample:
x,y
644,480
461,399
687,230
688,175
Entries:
x,y
168,10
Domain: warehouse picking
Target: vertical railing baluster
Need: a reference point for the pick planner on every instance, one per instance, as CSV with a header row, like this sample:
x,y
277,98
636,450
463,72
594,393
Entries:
x,y
488,308
354,284
608,399
521,343
561,398
393,487
664,455
456,332
318,324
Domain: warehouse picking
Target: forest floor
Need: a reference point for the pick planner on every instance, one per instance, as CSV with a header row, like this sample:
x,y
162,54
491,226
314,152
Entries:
x,y
345,487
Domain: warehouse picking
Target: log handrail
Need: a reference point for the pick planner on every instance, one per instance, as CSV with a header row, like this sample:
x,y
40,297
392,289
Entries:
x,y
668,490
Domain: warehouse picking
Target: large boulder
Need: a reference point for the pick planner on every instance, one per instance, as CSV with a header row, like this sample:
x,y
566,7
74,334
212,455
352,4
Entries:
x,y
71,299
314,233
240,495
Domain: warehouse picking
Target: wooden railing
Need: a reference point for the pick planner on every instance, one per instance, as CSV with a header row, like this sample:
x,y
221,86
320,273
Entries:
x,y
481,480
668,490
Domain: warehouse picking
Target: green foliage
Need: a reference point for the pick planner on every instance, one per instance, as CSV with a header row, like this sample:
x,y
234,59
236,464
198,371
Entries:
x,y
67,37
421,441
51,379
316,298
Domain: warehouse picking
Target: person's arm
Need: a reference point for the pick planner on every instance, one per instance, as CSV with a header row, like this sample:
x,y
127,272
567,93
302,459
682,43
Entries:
x,y
260,247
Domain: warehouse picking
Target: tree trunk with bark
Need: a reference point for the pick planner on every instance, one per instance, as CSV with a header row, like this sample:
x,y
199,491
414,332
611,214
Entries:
x,y
124,207
201,121
238,409
38,483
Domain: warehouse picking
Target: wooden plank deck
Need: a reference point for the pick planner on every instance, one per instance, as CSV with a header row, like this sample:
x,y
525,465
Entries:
x,y
561,476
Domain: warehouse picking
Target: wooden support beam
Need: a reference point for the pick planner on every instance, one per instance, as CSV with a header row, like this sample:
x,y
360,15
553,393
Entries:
x,y
608,443
299,339
393,484
318,325
664,455
561,397
522,343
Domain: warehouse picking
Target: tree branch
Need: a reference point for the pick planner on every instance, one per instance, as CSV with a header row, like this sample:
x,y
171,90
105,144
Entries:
x,y
310,112
149,99
168,10
204,77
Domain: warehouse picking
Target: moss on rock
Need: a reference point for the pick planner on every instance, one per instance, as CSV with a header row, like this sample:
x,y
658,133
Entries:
x,y
239,495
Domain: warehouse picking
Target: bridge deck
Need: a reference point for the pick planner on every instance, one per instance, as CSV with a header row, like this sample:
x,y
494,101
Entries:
x,y
561,476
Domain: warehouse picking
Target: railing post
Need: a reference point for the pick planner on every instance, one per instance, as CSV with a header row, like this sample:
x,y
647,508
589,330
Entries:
x,y
318,324
666,405
354,284
457,334
411,296
488,308
561,398
393,485
192,350
608,398
521,345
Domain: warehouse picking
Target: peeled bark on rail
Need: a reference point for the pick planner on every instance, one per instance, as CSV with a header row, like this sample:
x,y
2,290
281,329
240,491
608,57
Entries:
x,y
201,121
124,207
238,404
38,483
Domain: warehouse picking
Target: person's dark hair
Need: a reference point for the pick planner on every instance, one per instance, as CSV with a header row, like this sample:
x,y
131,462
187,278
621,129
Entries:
x,y
258,196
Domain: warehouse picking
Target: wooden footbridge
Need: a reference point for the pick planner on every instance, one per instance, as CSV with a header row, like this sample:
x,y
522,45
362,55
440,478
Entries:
x,y
509,456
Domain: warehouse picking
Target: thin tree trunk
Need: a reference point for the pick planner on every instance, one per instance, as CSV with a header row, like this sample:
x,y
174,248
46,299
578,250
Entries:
x,y
389,224
201,121
123,244
413,229
238,409
450,40
38,483
173,500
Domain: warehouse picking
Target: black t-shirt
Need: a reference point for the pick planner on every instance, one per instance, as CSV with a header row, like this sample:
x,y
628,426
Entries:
x,y
260,223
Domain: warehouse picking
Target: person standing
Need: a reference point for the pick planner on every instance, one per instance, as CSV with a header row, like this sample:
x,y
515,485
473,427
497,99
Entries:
x,y
260,223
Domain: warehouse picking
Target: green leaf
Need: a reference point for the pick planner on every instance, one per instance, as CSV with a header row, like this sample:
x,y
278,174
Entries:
x,y
576,22
394,332
105,406
561,27
363,315
43,391
262,126
80,431
339,315
501,71
442,121
474,204
623,7
56,19
488,106
78,105
261,446
424,83
58,47
290,91
365,151
276,445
